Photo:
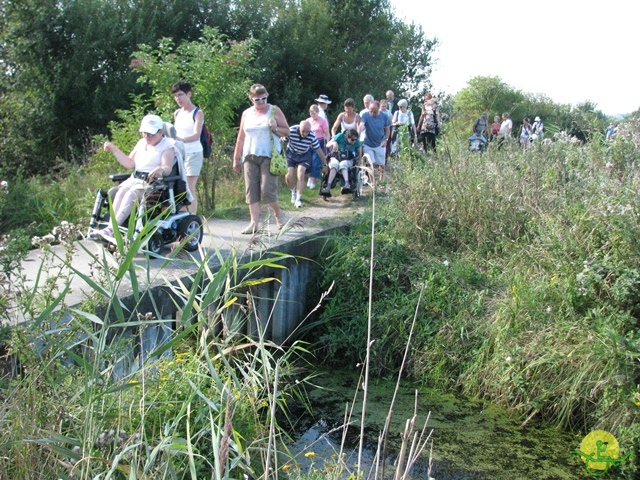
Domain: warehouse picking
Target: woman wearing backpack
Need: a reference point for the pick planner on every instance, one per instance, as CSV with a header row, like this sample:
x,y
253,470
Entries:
x,y
189,121
430,123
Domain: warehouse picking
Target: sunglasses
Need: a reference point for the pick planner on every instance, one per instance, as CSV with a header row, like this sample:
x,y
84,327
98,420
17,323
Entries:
x,y
261,99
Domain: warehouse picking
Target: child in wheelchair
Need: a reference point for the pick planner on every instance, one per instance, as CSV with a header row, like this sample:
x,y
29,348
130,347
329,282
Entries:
x,y
344,150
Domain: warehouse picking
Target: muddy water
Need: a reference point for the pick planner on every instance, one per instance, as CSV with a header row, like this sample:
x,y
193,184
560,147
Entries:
x,y
471,439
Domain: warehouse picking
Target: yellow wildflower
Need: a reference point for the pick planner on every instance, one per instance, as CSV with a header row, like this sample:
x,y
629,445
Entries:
x,y
310,455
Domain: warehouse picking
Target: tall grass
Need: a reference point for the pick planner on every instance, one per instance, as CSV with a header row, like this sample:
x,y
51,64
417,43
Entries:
x,y
194,406
532,279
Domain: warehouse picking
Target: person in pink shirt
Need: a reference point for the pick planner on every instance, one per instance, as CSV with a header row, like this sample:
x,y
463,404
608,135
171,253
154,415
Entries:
x,y
320,127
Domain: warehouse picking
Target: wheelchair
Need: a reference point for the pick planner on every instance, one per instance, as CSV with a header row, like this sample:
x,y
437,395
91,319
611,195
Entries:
x,y
159,209
355,173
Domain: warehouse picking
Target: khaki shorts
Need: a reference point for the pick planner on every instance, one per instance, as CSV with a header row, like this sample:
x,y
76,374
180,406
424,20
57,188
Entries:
x,y
377,154
193,164
259,184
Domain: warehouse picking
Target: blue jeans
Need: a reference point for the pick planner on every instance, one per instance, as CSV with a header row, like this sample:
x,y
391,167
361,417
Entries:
x,y
316,164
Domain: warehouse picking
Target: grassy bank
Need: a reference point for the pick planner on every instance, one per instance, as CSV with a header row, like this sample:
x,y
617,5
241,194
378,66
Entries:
x,y
531,276
526,265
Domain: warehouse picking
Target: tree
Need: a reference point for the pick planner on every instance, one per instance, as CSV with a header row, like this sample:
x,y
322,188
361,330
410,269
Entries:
x,y
65,69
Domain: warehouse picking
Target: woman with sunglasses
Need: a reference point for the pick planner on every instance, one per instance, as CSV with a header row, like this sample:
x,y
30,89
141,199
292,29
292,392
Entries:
x,y
349,145
252,155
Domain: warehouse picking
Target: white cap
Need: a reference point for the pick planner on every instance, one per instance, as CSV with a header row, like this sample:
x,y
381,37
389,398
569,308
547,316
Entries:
x,y
151,124
537,119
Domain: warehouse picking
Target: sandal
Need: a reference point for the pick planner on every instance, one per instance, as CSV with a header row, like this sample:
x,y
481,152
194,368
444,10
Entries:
x,y
281,222
250,230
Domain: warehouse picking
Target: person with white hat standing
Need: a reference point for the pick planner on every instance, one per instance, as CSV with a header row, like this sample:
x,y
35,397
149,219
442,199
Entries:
x,y
537,129
323,102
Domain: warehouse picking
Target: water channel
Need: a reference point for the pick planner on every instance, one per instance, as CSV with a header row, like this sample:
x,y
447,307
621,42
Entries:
x,y
472,439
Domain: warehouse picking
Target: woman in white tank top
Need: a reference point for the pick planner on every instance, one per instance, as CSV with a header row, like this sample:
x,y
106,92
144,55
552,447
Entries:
x,y
252,155
347,119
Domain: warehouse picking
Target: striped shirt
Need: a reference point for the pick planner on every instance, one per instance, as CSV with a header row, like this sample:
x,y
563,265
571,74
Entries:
x,y
299,144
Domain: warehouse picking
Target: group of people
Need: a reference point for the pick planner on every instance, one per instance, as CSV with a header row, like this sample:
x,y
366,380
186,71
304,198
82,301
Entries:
x,y
154,155
482,132
312,148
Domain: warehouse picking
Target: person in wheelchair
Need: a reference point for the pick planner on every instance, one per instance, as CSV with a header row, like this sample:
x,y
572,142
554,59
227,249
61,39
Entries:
x,y
152,158
345,148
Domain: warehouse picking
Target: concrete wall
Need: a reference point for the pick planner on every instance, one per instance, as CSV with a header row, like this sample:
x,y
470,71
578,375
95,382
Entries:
x,y
273,310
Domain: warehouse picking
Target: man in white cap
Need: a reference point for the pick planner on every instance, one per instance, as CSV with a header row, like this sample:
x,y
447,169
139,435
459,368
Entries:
x,y
537,130
323,102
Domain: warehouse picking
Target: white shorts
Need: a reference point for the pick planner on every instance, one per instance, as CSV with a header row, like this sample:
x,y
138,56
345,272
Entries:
x,y
340,165
377,154
193,164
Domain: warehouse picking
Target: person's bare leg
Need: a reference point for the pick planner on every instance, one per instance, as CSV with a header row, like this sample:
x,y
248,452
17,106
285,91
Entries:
x,y
300,186
191,182
279,214
254,213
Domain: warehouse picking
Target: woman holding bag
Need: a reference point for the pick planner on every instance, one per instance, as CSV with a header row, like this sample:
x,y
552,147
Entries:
x,y
252,154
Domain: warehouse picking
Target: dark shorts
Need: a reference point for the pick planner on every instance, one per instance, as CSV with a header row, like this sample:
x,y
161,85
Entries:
x,y
294,159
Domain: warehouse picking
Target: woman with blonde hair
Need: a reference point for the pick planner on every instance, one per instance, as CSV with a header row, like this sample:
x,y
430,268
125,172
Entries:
x,y
259,124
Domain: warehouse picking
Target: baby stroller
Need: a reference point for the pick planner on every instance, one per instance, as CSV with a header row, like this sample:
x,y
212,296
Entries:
x,y
158,216
477,143
355,176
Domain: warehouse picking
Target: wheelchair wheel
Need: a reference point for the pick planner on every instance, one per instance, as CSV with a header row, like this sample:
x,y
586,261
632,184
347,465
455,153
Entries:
x,y
155,245
357,191
191,227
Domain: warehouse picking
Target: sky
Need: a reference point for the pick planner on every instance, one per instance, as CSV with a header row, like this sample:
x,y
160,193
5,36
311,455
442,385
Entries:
x,y
569,50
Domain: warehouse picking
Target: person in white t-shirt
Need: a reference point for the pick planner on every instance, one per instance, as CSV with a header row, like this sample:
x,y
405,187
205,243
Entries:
x,y
151,158
323,102
505,130
188,121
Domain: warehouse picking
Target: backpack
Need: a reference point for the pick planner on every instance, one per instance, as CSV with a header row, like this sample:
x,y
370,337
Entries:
x,y
206,139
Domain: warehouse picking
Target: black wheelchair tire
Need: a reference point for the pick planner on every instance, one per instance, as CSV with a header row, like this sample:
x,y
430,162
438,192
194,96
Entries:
x,y
155,245
191,226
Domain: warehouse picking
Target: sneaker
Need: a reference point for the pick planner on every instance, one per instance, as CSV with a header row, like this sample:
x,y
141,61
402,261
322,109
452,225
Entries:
x,y
311,185
298,204
325,191
346,188
308,182
293,196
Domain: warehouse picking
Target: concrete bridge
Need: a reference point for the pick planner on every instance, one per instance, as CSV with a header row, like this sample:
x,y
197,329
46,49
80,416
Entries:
x,y
155,295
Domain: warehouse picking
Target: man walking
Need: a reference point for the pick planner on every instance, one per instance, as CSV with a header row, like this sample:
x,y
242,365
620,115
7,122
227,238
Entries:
x,y
378,128
302,143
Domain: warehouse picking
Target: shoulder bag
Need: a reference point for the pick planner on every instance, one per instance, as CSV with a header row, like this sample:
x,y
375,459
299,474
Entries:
x,y
278,166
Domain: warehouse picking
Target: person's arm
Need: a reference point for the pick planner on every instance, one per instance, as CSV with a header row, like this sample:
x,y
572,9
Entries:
x,y
331,146
322,157
237,151
337,124
125,160
166,165
281,127
387,132
362,126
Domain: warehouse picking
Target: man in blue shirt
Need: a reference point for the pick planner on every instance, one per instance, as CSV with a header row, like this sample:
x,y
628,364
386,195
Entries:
x,y
302,142
378,128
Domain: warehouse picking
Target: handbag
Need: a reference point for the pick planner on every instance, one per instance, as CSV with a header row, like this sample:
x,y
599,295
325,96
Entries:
x,y
278,166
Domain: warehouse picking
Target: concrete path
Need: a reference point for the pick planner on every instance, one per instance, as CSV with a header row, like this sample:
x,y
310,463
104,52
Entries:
x,y
41,267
